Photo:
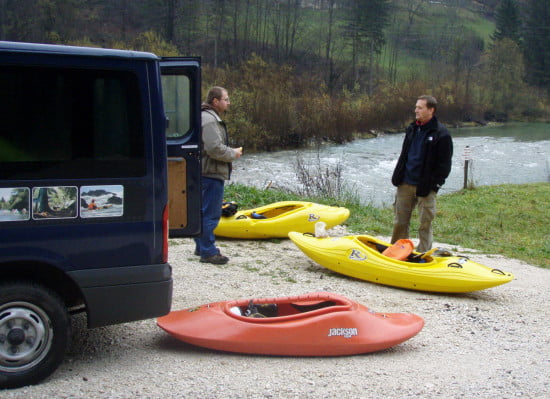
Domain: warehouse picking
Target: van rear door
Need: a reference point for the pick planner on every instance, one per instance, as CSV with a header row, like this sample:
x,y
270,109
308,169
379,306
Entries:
x,y
181,87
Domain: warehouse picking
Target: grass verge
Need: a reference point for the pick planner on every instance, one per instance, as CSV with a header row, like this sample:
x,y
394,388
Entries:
x,y
510,220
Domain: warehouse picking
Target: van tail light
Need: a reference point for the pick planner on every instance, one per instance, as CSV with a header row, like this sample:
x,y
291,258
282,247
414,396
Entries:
x,y
165,234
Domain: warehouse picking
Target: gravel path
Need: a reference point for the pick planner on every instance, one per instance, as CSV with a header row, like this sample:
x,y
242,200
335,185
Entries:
x,y
488,344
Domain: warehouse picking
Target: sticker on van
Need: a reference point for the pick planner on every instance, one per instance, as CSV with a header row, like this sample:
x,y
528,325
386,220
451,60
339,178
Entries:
x,y
58,202
14,204
101,201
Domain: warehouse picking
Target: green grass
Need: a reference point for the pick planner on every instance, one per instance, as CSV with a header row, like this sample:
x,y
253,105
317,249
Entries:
x,y
510,220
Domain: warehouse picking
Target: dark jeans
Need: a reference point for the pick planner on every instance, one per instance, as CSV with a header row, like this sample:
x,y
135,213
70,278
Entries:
x,y
211,211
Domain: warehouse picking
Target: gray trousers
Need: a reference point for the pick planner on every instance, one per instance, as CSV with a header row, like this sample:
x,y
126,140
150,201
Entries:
x,y
405,202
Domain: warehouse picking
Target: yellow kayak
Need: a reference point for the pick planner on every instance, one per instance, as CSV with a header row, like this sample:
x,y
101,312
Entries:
x,y
280,218
360,256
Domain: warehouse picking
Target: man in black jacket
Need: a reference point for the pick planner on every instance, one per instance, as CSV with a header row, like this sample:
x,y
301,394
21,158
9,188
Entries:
x,y
421,170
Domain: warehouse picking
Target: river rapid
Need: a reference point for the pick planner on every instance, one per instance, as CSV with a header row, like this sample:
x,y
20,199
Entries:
x,y
514,153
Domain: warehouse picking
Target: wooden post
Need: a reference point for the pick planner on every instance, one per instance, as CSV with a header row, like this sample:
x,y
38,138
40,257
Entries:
x,y
467,159
466,164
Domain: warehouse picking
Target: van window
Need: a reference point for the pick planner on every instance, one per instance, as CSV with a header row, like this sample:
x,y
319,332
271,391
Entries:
x,y
70,123
176,91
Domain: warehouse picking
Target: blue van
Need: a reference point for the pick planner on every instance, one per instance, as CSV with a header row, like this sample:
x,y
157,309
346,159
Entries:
x,y
97,148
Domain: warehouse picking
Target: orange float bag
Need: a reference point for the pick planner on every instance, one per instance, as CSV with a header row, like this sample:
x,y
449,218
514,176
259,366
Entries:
x,y
400,250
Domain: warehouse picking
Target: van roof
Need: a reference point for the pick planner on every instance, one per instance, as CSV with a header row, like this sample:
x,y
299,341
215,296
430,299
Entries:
x,y
19,47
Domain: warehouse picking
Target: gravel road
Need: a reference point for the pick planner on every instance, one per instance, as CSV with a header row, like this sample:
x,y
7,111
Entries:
x,y
487,344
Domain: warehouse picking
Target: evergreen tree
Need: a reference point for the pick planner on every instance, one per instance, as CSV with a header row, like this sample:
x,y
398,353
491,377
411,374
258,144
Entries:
x,y
365,24
508,23
367,20
537,43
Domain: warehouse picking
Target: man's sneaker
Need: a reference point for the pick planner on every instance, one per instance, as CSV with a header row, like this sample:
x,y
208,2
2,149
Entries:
x,y
217,259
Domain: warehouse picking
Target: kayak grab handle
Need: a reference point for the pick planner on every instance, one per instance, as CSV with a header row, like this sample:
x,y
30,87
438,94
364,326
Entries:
x,y
498,271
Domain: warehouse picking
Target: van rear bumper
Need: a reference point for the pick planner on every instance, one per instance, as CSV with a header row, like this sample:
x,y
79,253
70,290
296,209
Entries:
x,y
122,294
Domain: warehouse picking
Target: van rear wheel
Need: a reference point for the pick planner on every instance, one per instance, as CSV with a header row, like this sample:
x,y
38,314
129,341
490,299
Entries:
x,y
34,333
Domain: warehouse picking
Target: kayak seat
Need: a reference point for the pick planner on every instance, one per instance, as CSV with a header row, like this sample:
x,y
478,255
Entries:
x,y
379,247
400,250
309,308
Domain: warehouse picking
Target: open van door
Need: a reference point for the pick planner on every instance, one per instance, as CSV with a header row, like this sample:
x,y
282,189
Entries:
x,y
181,88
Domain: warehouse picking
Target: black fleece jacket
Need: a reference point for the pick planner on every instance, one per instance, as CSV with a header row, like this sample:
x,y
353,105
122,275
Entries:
x,y
437,159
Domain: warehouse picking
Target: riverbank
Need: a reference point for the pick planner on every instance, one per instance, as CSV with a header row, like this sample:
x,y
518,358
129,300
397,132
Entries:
x,y
510,220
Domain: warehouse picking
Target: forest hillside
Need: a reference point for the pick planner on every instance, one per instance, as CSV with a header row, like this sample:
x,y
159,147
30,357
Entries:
x,y
305,70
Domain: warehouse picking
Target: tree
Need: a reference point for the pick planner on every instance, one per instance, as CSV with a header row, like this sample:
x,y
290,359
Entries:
x,y
508,24
152,42
23,20
171,19
217,22
330,75
503,76
366,21
286,20
400,33
187,33
537,43
464,55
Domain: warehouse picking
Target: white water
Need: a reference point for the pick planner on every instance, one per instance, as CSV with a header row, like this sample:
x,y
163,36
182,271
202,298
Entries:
x,y
518,153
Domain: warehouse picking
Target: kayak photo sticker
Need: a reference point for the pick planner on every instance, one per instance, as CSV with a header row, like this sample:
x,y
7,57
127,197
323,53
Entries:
x,y
101,201
14,204
57,202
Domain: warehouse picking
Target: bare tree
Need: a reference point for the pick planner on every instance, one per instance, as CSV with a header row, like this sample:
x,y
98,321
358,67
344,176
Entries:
x,y
285,23
400,33
328,47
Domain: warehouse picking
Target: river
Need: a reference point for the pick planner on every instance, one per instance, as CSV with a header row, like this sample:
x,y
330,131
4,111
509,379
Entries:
x,y
512,153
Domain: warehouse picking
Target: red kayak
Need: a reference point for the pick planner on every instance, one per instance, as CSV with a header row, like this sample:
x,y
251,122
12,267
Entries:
x,y
315,324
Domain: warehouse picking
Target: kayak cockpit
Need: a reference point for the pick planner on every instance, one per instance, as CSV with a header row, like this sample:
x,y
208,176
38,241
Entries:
x,y
271,213
282,309
402,250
